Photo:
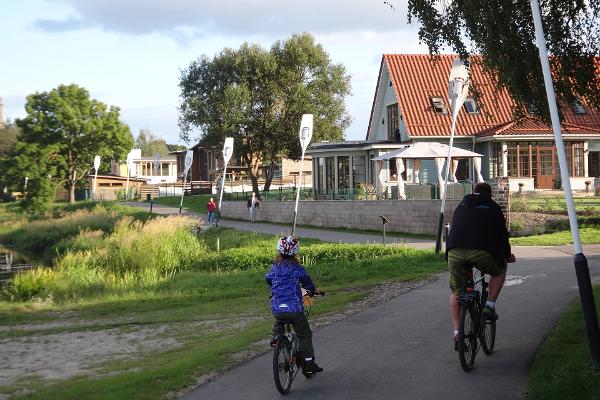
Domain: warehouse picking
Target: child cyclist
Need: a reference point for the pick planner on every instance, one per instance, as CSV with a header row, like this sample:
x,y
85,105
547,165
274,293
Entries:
x,y
286,277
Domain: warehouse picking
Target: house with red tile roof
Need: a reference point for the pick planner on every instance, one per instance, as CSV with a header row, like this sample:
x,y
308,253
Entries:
x,y
411,105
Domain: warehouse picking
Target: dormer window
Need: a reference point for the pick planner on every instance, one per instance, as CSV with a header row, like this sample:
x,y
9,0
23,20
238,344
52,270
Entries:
x,y
578,107
471,106
439,106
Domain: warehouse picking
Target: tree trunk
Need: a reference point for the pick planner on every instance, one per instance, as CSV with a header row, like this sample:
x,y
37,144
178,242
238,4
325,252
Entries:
x,y
71,187
269,177
252,167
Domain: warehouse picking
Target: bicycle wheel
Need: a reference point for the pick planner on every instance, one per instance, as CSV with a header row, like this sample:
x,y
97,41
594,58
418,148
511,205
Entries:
x,y
282,366
488,335
467,344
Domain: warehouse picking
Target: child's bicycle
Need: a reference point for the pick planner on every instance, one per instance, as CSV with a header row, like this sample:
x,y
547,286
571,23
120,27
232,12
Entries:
x,y
286,355
474,327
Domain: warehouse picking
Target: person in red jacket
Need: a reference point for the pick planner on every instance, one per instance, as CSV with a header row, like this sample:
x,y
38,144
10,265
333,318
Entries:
x,y
211,207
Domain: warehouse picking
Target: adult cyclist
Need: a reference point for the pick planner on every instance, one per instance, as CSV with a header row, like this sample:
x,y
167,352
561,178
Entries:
x,y
478,237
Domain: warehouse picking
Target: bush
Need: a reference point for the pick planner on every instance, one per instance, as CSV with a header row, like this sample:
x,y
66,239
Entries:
x,y
516,227
38,237
29,284
133,255
519,205
259,258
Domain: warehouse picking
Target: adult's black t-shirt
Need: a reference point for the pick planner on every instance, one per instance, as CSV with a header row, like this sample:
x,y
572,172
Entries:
x,y
478,223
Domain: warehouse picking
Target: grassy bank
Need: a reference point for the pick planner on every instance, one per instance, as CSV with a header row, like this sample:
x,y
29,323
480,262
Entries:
x,y
156,282
589,235
192,203
563,368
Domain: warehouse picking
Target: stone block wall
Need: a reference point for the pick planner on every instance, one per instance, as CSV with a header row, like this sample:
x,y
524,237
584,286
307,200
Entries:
x,y
412,216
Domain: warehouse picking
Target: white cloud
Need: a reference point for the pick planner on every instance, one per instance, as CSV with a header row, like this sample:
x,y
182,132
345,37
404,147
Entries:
x,y
234,17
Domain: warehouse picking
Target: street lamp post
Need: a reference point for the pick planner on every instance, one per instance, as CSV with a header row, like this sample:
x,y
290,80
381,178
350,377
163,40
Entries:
x,y
96,166
189,159
306,131
581,265
227,153
458,87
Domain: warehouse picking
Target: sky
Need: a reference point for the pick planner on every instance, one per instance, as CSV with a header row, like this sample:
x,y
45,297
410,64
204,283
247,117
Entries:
x,y
130,53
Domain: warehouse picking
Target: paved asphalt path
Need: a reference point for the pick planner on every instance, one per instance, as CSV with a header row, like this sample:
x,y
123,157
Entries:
x,y
402,349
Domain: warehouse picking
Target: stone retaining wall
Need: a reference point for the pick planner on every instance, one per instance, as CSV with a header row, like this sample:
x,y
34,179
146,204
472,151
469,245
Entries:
x,y
413,216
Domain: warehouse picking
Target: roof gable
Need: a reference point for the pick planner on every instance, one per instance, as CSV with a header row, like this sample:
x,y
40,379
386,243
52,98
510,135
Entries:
x,y
416,78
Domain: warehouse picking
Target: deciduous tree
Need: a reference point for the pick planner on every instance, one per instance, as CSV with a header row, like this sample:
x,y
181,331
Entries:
x,y
502,32
258,96
151,144
63,130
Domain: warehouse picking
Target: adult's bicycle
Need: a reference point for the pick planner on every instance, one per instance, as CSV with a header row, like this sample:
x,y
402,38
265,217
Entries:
x,y
286,354
474,327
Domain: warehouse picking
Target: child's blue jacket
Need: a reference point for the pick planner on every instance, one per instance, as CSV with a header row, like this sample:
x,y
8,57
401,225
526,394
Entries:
x,y
285,280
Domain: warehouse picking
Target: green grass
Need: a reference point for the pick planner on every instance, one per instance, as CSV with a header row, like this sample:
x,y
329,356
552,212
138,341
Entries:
x,y
192,203
589,235
37,237
563,367
554,204
181,299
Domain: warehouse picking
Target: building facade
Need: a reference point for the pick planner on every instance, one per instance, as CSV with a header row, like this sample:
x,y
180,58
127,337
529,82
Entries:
x,y
144,168
411,105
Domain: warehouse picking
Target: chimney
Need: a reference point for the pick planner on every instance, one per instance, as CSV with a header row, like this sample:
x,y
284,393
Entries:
x,y
1,114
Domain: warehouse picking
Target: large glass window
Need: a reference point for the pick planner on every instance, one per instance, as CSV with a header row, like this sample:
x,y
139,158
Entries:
x,y
392,169
496,160
524,161
359,171
392,118
527,159
574,152
329,175
343,172
320,175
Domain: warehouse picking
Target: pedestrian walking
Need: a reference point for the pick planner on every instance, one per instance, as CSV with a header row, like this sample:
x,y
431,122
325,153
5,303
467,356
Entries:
x,y
211,206
253,205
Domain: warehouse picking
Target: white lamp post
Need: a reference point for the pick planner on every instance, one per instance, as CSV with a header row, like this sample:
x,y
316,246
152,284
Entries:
x,y
96,166
306,131
458,87
189,158
581,265
129,166
227,153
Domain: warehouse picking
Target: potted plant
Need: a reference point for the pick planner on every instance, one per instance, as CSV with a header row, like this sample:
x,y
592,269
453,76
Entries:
x,y
521,184
587,186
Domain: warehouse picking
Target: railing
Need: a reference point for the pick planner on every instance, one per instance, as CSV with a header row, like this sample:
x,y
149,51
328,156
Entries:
x,y
281,194
412,192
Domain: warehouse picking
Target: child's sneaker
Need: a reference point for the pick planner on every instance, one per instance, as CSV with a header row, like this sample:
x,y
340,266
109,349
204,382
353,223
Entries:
x,y
490,313
311,367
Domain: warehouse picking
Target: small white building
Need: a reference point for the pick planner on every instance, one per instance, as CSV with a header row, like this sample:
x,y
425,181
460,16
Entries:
x,y
144,168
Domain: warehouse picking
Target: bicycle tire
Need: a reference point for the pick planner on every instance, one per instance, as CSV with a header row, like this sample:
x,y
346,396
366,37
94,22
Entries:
x,y
282,366
467,344
488,336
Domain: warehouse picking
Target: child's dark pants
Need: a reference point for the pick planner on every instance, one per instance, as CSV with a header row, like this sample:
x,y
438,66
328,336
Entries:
x,y
301,327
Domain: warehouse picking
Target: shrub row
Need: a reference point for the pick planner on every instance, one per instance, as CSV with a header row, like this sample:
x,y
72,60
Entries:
x,y
261,257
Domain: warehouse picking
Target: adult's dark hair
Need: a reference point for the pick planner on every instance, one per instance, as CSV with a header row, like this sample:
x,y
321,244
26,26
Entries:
x,y
483,188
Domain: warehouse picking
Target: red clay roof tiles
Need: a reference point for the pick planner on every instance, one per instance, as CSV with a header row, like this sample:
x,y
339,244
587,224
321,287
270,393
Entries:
x,y
416,78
